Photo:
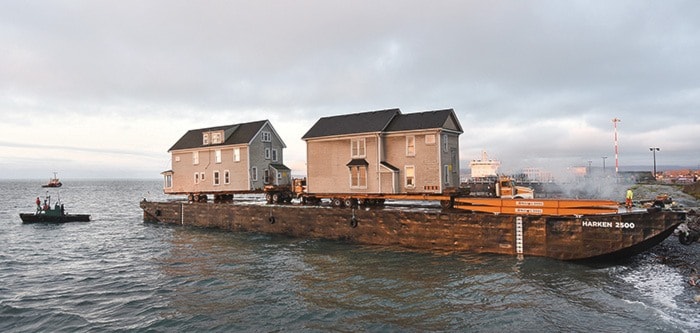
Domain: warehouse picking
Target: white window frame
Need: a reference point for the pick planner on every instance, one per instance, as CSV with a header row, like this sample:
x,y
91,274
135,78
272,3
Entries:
x,y
177,158
410,176
195,158
358,176
202,176
227,177
410,145
236,154
216,180
445,143
267,153
266,137
217,156
168,181
196,178
274,155
358,148
254,173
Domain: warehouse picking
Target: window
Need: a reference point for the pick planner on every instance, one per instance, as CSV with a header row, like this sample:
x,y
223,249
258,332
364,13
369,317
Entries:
x,y
201,176
217,155
196,177
254,173
279,175
445,143
236,154
266,175
205,138
177,158
168,181
410,176
358,176
430,139
357,148
267,153
410,146
227,177
274,155
216,137
216,177
266,137
448,168
195,157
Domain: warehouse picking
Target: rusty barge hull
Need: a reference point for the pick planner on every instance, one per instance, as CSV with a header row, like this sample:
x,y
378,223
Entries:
x,y
608,236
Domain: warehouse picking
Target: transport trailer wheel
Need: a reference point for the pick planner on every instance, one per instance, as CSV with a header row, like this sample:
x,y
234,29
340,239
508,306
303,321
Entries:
x,y
268,197
276,198
350,202
337,202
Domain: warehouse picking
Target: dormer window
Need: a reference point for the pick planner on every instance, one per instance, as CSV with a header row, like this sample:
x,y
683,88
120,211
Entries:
x,y
216,138
205,138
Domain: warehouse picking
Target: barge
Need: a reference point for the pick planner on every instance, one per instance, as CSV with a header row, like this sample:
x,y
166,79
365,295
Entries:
x,y
565,237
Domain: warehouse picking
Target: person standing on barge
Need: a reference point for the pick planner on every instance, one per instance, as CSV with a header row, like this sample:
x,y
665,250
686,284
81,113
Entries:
x,y
628,198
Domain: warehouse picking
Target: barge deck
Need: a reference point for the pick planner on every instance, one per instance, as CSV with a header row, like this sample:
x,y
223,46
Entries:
x,y
575,237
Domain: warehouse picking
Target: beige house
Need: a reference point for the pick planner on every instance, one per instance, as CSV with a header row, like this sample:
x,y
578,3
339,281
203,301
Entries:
x,y
226,160
384,152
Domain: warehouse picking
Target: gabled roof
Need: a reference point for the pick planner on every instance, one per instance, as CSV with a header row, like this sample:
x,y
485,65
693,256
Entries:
x,y
233,134
425,120
355,123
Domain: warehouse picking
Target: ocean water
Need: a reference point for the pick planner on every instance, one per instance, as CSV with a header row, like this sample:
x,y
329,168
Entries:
x,y
118,274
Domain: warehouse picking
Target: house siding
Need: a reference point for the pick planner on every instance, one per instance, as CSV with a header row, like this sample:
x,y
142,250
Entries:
x,y
183,171
327,169
425,161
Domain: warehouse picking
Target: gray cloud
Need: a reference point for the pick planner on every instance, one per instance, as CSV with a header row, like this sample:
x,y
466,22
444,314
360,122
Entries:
x,y
547,76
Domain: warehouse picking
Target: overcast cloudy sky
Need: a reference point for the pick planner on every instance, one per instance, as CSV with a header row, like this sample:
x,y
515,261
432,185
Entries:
x,y
104,88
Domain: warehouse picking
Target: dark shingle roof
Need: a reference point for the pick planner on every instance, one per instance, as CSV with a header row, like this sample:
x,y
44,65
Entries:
x,y
233,134
423,120
391,120
365,122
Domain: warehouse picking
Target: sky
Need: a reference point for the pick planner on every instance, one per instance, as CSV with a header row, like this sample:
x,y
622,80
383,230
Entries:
x,y
102,89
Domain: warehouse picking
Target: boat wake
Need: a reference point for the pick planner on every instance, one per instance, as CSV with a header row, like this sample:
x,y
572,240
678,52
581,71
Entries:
x,y
661,292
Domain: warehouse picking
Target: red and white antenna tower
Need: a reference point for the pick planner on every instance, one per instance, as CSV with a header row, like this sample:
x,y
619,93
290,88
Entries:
x,y
615,121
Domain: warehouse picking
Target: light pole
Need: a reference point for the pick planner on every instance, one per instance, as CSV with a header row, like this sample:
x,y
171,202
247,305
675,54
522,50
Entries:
x,y
615,121
604,157
653,151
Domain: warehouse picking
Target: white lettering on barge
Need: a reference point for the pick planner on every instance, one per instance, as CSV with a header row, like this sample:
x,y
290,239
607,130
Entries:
x,y
529,203
606,224
596,224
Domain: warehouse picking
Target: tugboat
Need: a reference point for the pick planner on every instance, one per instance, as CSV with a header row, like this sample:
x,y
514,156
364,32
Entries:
x,y
53,182
56,214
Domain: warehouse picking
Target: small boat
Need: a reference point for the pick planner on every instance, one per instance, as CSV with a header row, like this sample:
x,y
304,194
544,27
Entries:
x,y
53,182
55,214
